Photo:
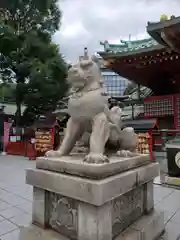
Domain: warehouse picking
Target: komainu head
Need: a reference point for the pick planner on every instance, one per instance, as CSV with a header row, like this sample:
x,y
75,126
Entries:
x,y
85,73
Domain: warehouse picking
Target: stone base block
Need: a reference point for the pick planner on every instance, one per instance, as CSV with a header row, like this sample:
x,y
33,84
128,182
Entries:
x,y
85,207
148,227
95,192
74,165
79,220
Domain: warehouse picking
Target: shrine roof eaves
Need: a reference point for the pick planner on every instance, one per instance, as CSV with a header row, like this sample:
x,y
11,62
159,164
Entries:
x,y
156,29
110,54
129,46
163,24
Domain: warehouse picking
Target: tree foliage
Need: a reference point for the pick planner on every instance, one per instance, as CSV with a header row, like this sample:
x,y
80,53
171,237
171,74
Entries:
x,y
7,92
44,89
28,56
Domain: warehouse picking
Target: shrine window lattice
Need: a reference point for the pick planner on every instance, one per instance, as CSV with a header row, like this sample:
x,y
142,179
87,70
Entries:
x,y
157,108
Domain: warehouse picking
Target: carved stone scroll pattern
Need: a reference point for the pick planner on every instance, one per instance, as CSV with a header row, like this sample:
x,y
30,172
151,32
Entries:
x,y
126,209
63,215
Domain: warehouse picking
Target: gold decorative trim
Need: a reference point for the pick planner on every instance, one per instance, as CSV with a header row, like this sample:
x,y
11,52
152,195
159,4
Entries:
x,y
108,62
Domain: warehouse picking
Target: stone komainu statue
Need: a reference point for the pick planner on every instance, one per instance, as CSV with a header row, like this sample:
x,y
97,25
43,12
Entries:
x,y
89,112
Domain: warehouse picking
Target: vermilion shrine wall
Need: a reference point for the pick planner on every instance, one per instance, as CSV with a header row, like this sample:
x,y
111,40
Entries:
x,y
162,106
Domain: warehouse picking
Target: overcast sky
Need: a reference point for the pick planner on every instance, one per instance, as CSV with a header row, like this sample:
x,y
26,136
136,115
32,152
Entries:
x,y
86,22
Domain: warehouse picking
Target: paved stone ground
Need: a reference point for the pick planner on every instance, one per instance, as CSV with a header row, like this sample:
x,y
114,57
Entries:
x,y
16,200
15,196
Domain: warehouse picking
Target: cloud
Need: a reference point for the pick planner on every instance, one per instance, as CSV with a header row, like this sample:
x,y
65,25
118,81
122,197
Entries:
x,y
85,23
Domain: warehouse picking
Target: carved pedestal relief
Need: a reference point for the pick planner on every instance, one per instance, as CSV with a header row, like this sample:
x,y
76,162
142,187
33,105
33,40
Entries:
x,y
126,209
63,215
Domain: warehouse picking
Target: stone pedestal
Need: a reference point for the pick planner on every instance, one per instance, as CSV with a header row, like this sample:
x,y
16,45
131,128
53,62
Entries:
x,y
79,201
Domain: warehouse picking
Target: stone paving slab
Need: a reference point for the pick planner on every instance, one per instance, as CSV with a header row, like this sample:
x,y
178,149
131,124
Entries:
x,y
12,186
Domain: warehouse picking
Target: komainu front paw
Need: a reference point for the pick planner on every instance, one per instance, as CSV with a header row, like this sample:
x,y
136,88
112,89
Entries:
x,y
96,158
126,153
53,153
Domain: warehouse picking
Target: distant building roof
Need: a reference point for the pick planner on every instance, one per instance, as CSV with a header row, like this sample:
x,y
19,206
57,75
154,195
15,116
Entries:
x,y
45,122
61,111
144,92
127,112
143,124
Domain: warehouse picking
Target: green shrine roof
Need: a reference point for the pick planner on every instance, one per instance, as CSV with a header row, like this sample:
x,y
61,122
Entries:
x,y
148,60
128,46
155,41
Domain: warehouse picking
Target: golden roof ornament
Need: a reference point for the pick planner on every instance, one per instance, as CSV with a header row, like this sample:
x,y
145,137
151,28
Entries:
x,y
164,17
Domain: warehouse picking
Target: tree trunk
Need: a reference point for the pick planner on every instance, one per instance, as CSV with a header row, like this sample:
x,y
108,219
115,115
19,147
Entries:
x,y
18,104
18,113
